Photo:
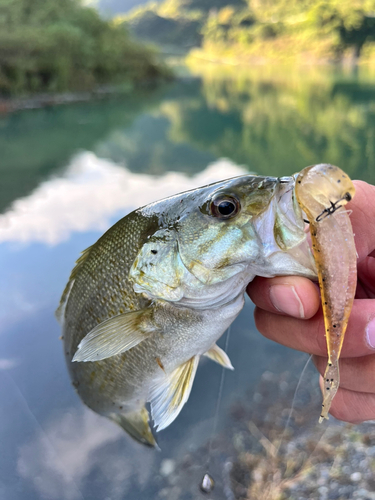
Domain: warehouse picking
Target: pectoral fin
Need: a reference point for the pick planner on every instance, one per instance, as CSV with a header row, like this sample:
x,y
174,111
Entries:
x,y
219,356
116,335
168,397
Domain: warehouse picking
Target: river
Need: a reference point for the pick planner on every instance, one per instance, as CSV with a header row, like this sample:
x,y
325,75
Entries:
x,y
67,174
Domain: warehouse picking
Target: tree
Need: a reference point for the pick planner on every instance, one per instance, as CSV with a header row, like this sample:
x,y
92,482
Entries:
x,y
49,45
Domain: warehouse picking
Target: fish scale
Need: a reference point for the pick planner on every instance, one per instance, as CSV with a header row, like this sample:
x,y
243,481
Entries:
x,y
86,302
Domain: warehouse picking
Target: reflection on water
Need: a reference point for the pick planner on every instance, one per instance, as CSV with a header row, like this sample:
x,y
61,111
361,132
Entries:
x,y
91,192
70,449
38,143
275,123
68,174
283,122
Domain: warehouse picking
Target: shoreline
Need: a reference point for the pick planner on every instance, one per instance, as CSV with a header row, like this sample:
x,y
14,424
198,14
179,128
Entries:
x,y
13,104
276,450
192,60
346,63
45,100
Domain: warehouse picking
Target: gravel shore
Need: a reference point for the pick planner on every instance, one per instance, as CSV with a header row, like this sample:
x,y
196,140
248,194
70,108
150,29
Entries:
x,y
268,452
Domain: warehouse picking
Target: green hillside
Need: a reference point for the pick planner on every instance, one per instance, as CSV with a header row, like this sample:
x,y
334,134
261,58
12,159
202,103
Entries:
x,y
49,45
174,22
313,30
182,31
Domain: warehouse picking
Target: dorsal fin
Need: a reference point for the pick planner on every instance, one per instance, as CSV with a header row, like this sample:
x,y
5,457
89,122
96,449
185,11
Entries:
x,y
64,297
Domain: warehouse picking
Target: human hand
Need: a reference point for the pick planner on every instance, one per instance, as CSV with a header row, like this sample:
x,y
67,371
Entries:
x,y
288,311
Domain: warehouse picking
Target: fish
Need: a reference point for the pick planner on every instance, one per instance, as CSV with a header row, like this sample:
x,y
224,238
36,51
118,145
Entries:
x,y
322,192
154,294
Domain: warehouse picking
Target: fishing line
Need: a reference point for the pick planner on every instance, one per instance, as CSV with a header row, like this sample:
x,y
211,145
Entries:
x,y
207,483
293,402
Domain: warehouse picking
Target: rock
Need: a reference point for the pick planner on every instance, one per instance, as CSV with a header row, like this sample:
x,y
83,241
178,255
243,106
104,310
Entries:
x,y
356,476
362,494
167,467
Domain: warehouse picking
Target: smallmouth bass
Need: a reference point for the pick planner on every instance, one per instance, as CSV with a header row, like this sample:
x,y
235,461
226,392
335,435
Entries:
x,y
159,288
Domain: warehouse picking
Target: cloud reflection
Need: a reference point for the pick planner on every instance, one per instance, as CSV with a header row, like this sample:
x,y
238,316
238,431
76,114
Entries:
x,y
77,455
7,364
90,192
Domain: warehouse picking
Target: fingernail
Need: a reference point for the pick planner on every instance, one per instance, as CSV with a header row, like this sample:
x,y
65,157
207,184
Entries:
x,y
370,332
286,300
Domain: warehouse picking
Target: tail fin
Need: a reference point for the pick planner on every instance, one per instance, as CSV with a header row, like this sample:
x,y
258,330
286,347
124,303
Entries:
x,y
136,425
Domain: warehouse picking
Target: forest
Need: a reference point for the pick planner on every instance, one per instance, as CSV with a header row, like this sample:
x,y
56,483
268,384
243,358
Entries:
x,y
311,30
54,46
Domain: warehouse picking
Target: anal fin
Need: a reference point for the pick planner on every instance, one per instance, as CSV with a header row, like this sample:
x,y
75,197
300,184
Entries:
x,y
136,425
170,394
219,356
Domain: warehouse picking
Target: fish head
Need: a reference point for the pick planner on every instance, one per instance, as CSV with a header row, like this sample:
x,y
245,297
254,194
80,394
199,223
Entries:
x,y
217,239
207,236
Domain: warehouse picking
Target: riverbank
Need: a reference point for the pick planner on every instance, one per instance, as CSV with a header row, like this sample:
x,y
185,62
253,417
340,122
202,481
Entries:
x,y
53,47
236,32
283,50
270,451
45,100
11,105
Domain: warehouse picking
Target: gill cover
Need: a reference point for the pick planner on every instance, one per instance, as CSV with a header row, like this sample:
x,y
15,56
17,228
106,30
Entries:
x,y
198,246
158,269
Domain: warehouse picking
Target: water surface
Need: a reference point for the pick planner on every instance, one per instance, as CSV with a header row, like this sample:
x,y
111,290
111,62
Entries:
x,y
67,174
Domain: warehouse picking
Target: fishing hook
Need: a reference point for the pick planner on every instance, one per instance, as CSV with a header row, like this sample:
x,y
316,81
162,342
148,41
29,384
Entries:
x,y
332,209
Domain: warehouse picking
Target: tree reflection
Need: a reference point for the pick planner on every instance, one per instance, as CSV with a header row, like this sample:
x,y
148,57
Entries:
x,y
275,122
278,125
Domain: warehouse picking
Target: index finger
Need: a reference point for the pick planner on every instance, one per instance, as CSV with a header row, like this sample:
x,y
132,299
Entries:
x,y
363,218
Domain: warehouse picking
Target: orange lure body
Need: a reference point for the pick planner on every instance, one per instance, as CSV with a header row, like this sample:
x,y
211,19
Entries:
x,y
322,191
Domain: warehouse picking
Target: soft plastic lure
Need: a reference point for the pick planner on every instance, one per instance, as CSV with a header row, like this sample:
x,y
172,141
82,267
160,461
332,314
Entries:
x,y
322,191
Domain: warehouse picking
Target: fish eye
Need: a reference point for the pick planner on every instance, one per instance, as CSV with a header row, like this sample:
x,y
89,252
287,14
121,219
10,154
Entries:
x,y
224,206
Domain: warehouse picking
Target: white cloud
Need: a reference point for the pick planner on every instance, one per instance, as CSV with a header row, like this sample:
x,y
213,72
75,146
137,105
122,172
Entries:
x,y
91,191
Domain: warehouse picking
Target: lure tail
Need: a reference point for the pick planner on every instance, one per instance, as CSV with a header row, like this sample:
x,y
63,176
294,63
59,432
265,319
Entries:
x,y
331,384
